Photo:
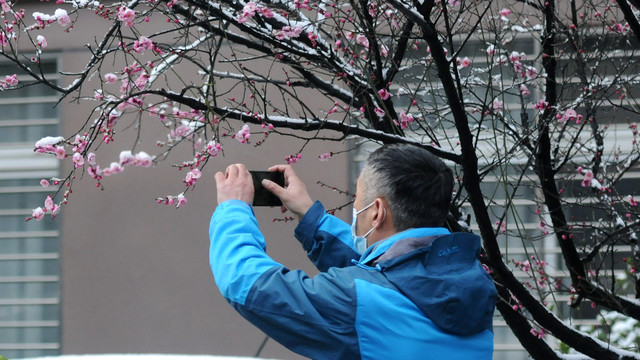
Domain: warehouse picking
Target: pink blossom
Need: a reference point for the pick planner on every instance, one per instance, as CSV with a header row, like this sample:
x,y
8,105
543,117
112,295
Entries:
x,y
91,159
142,81
48,203
405,120
6,6
570,114
78,160
213,148
465,62
379,111
505,12
142,44
183,131
362,40
266,12
498,105
38,213
588,175
41,41
524,90
384,94
115,168
11,80
243,134
44,183
60,153
325,156
192,177
126,15
249,10
110,78
181,200
531,72
491,50
631,201
62,17
126,158
143,159
55,210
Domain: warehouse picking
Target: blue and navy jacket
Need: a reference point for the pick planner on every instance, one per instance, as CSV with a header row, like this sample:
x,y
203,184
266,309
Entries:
x,y
420,294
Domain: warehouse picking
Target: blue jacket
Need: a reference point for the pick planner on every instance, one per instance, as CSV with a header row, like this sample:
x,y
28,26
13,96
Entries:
x,y
420,294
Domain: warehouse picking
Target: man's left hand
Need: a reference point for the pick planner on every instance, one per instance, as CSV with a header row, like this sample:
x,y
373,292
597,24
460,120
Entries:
x,y
235,184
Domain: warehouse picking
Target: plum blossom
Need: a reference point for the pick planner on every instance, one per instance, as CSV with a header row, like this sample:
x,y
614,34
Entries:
x,y
142,44
38,213
524,90
531,72
126,158
192,177
213,148
362,40
62,17
631,201
379,111
5,5
110,78
384,50
60,152
250,9
505,12
244,134
405,120
143,159
325,156
491,50
498,105
41,42
588,176
181,200
44,183
48,203
91,159
464,62
126,15
287,32
384,94
11,80
78,160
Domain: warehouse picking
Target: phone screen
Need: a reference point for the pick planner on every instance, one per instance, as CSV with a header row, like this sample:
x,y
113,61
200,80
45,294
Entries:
x,y
262,196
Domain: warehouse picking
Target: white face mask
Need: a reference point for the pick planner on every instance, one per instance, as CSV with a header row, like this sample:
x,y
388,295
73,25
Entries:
x,y
359,242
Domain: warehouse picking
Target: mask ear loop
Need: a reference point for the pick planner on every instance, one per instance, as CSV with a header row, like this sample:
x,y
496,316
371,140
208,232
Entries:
x,y
384,216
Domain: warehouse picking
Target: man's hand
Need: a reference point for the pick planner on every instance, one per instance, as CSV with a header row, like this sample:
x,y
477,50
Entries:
x,y
294,195
235,184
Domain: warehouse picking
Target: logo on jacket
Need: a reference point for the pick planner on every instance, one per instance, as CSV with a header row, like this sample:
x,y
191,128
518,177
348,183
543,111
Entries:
x,y
448,251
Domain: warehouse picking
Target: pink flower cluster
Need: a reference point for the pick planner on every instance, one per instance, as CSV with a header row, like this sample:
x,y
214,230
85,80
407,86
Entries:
x,y
588,176
243,134
325,156
49,206
292,159
250,9
405,120
142,44
173,200
126,15
287,32
569,114
9,81
192,177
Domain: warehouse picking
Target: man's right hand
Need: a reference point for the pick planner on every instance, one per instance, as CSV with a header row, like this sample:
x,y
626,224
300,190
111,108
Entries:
x,y
294,195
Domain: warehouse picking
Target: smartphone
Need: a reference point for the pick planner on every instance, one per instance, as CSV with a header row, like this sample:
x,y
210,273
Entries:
x,y
262,196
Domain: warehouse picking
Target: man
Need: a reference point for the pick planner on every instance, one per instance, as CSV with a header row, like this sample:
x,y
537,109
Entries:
x,y
394,285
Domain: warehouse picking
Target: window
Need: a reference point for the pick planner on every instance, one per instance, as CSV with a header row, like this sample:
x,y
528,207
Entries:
x,y
29,251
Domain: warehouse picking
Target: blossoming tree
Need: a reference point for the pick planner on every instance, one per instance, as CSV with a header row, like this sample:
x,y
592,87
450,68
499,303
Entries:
x,y
534,97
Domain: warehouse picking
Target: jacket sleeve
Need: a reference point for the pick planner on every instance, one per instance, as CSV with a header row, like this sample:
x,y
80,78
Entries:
x,y
311,316
326,239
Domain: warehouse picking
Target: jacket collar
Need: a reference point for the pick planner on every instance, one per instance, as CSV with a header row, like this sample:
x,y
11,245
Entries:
x,y
382,246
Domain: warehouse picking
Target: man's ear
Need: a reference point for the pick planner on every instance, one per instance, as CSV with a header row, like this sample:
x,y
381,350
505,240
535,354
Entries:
x,y
381,214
